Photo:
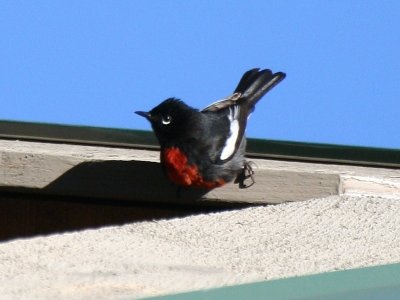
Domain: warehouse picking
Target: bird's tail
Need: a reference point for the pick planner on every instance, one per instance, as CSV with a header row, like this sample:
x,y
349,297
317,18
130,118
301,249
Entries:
x,y
255,84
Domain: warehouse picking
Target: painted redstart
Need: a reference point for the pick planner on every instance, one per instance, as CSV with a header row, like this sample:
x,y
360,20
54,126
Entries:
x,y
206,148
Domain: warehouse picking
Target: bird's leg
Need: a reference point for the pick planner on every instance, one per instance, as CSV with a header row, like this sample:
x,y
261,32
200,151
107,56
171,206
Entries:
x,y
246,173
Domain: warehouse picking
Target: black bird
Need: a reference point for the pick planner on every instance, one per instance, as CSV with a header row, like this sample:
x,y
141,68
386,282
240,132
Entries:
x,y
206,148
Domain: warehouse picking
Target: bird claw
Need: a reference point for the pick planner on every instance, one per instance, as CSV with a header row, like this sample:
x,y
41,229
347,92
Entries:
x,y
246,173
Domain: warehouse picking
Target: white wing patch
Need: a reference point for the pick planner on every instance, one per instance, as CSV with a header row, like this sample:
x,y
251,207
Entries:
x,y
230,143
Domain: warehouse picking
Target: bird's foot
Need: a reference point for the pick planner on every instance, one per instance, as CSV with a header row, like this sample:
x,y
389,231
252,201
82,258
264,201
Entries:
x,y
246,173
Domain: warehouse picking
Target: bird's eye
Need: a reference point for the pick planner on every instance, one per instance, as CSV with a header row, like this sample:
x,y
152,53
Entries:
x,y
166,119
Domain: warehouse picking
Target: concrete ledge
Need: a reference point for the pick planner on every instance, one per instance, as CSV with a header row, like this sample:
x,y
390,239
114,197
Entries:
x,y
135,175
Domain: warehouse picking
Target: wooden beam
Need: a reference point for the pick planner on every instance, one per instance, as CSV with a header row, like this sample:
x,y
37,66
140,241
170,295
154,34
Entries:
x,y
57,169
135,175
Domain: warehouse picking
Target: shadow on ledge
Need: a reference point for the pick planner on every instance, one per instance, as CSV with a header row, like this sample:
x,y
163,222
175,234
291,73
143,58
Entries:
x,y
137,181
95,194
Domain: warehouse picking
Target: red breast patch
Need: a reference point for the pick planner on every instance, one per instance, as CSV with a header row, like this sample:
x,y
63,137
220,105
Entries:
x,y
180,172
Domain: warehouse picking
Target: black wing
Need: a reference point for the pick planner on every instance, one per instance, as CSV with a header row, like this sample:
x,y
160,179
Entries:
x,y
253,85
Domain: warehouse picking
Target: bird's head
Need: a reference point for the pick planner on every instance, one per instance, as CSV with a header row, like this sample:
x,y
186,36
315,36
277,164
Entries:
x,y
168,118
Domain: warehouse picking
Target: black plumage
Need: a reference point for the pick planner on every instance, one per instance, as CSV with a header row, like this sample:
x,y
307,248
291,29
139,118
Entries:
x,y
209,145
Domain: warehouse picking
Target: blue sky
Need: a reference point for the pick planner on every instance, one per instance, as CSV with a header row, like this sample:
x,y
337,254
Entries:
x,y
96,62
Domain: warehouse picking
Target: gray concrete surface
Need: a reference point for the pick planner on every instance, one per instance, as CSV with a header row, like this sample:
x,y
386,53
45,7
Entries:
x,y
203,251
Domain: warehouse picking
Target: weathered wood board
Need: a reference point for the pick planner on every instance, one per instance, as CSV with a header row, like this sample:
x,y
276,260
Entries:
x,y
135,175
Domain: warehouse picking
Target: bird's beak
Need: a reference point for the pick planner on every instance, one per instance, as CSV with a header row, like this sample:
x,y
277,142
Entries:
x,y
145,114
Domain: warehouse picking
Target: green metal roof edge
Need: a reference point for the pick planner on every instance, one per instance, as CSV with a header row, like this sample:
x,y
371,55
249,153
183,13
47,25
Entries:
x,y
325,153
145,139
86,135
379,282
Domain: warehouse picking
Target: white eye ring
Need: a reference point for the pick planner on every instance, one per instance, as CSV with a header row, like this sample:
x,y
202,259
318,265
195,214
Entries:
x,y
166,120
